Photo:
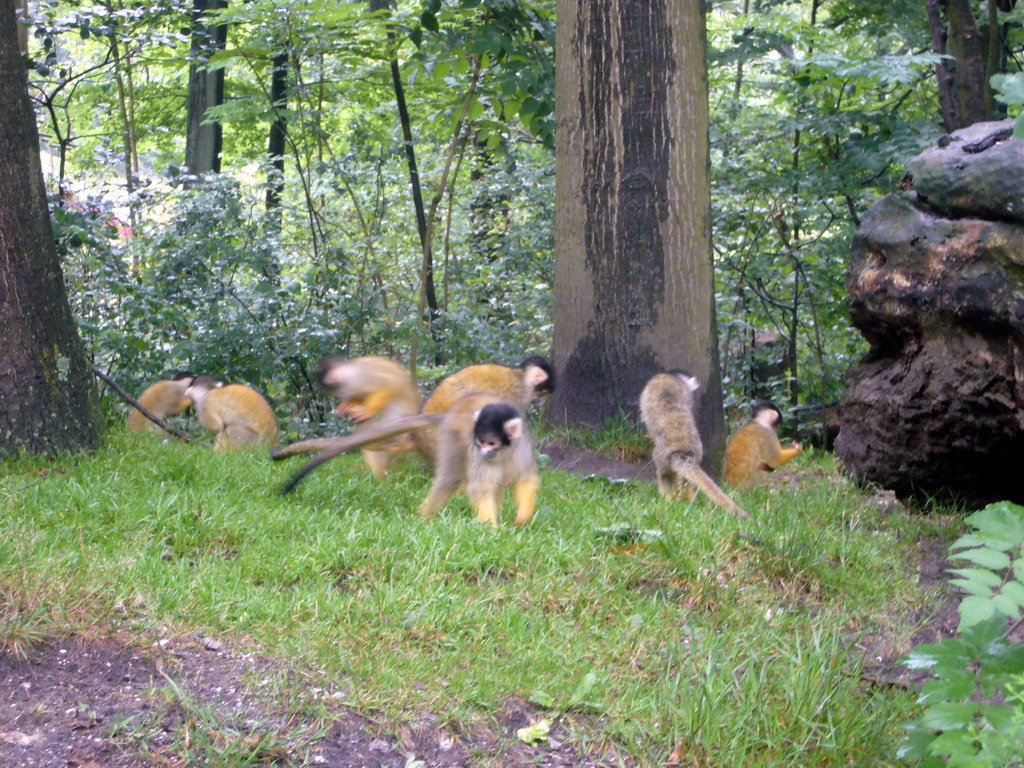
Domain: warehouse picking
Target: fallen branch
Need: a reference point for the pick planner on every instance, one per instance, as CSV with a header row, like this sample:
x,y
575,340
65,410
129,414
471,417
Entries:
x,y
141,409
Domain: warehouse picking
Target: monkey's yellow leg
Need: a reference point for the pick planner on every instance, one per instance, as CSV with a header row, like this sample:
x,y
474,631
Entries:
x,y
526,499
379,462
486,503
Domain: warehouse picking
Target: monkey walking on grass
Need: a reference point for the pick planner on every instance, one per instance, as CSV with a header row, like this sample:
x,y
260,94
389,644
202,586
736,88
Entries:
x,y
666,410
481,444
377,390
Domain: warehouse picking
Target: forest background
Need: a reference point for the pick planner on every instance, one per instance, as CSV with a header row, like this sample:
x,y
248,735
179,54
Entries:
x,y
386,178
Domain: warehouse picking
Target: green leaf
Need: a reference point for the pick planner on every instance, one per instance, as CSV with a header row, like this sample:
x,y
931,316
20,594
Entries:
x,y
429,21
999,716
917,743
989,558
980,577
1014,589
957,686
949,715
536,733
975,610
957,745
1002,519
951,653
543,699
583,690
1006,605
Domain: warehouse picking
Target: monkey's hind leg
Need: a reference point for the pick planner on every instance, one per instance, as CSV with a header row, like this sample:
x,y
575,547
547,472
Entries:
x,y
235,437
486,503
526,499
440,493
379,462
668,483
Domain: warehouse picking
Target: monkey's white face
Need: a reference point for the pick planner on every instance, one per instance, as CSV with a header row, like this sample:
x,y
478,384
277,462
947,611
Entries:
x,y
691,382
489,448
768,417
198,393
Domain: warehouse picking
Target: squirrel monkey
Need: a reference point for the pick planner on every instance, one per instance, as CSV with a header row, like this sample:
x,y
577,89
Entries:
x,y
482,444
372,390
520,386
755,449
163,399
666,409
236,412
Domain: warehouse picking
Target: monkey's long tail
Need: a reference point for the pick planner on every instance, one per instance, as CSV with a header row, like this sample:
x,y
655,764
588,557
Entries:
x,y
693,473
329,447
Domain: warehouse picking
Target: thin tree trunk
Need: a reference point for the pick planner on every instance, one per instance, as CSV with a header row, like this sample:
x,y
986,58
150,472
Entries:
x,y
943,75
48,398
428,292
22,13
204,140
278,129
970,87
127,124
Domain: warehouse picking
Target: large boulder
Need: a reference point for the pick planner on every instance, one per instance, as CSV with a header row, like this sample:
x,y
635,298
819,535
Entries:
x,y
936,407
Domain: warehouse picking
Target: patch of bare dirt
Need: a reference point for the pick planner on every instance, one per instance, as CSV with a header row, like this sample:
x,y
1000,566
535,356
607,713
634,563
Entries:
x,y
85,703
571,459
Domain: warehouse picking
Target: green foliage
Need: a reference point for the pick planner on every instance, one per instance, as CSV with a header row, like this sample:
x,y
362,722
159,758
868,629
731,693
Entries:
x,y
973,708
814,109
1010,90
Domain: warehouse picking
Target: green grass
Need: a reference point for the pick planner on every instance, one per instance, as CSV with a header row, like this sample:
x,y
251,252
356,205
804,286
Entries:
x,y
727,638
620,438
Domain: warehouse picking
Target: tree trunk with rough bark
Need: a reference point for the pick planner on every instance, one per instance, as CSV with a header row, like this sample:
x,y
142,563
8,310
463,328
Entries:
x,y
634,291
204,140
964,91
47,393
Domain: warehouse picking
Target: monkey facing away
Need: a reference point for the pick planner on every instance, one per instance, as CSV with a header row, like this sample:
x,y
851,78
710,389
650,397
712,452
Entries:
x,y
531,380
372,390
482,445
236,412
527,383
755,449
666,409
163,399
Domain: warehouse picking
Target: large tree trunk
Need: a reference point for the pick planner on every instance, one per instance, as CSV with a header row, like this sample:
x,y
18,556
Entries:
x,y
47,395
203,141
633,265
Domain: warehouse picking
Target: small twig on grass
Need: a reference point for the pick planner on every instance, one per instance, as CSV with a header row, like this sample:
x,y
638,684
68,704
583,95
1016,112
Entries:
x,y
135,403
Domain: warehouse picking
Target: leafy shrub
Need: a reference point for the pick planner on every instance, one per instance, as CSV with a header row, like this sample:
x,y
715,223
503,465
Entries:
x,y
974,708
